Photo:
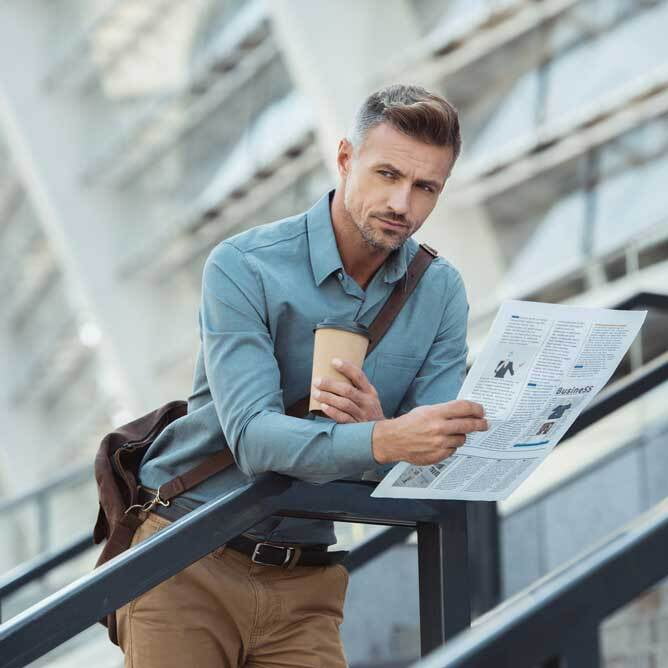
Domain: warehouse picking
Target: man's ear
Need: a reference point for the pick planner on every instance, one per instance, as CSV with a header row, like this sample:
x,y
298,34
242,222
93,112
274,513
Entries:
x,y
344,156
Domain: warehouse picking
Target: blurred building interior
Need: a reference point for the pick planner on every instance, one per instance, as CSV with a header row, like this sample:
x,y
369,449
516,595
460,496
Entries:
x,y
134,136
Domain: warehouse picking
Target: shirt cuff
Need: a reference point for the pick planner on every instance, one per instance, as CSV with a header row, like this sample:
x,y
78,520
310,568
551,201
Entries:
x,y
352,447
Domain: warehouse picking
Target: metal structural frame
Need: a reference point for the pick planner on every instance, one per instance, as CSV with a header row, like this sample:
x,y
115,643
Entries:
x,y
480,524
444,538
554,622
442,546
555,144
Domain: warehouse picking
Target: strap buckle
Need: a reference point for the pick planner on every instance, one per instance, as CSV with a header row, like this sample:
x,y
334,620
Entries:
x,y
431,250
256,557
149,505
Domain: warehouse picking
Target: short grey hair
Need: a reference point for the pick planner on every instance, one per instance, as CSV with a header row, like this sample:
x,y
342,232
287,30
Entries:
x,y
412,110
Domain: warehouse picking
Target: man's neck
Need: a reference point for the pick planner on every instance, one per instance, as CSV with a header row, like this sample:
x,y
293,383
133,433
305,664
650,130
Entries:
x,y
360,260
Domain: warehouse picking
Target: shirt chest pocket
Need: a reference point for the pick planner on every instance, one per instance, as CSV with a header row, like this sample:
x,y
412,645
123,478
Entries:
x,y
392,375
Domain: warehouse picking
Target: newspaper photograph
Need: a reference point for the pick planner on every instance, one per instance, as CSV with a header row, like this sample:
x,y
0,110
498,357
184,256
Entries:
x,y
541,366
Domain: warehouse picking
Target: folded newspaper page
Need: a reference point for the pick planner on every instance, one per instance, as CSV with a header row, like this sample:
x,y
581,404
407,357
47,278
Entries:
x,y
540,367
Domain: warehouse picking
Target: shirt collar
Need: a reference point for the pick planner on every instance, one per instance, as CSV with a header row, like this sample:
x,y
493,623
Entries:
x,y
324,253
322,247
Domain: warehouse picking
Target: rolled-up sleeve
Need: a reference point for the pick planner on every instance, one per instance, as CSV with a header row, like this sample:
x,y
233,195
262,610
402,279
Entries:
x,y
244,380
442,373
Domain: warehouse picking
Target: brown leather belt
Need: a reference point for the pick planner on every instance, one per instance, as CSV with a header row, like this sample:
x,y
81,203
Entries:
x,y
267,553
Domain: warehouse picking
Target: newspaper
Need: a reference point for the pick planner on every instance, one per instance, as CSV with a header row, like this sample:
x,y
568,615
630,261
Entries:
x,y
542,364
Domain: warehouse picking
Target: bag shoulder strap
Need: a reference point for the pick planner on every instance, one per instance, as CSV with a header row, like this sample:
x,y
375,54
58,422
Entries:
x,y
194,476
389,311
381,323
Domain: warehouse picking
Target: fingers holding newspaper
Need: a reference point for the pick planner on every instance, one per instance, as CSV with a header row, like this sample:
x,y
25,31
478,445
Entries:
x,y
427,434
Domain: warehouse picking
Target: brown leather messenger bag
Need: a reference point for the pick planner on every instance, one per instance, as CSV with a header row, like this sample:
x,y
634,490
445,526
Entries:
x,y
121,451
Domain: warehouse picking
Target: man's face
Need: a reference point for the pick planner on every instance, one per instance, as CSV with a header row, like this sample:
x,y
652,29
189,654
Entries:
x,y
393,178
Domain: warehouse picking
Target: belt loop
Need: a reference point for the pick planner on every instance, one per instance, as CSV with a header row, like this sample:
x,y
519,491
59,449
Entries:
x,y
295,558
218,552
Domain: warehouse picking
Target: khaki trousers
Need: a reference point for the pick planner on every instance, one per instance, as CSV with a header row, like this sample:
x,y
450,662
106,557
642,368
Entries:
x,y
224,611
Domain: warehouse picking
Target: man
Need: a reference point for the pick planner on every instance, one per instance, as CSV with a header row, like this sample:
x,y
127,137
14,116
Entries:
x,y
504,367
263,291
558,411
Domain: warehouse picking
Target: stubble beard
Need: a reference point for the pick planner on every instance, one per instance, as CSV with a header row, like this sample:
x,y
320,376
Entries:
x,y
374,238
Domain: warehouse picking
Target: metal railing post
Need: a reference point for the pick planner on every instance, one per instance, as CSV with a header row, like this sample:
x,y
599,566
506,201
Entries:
x,y
484,556
43,528
443,577
583,648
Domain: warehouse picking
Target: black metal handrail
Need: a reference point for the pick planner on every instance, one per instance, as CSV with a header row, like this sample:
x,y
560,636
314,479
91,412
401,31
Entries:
x,y
76,476
23,574
277,495
655,300
40,498
370,548
33,569
578,595
40,628
558,616
485,528
620,393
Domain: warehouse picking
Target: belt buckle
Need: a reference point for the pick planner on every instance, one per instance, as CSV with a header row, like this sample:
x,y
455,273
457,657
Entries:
x,y
257,559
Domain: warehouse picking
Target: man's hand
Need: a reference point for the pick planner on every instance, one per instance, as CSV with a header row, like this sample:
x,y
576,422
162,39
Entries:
x,y
344,402
427,434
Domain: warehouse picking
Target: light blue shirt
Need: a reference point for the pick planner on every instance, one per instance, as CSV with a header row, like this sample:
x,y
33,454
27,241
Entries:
x,y
263,292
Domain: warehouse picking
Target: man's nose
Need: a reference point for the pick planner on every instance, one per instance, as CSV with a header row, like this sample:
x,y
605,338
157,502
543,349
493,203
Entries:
x,y
400,198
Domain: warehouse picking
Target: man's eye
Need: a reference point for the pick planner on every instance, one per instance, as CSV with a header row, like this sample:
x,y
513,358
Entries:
x,y
385,173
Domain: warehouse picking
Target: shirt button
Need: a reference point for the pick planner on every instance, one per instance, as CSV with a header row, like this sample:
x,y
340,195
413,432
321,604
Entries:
x,y
339,275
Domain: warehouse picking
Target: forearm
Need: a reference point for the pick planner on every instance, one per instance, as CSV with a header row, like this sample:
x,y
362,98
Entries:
x,y
312,450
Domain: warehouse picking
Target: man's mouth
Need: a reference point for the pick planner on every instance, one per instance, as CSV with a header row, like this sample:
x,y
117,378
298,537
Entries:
x,y
393,224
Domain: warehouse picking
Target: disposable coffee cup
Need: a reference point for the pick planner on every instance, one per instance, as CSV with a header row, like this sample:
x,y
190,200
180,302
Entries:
x,y
346,339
